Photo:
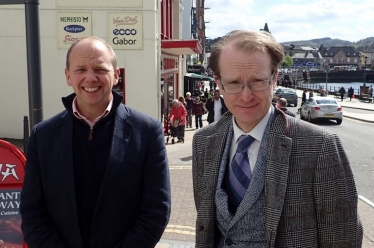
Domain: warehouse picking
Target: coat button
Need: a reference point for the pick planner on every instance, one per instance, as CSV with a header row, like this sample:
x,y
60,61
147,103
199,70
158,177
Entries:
x,y
228,241
201,228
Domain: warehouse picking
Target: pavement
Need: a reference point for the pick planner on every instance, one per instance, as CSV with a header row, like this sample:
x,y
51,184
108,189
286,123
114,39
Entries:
x,y
180,232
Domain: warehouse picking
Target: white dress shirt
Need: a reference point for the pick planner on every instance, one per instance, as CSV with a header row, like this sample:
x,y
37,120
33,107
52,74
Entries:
x,y
257,132
217,109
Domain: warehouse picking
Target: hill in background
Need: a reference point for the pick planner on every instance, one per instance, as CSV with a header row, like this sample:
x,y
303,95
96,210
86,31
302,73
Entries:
x,y
363,44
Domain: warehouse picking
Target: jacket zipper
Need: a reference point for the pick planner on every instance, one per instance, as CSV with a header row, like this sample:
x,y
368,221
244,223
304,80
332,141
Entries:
x,y
90,134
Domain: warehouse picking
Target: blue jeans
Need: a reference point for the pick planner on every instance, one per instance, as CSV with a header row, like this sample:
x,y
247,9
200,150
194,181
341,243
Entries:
x,y
198,120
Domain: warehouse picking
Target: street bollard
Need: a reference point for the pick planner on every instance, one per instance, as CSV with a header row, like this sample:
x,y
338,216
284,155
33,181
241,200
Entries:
x,y
26,133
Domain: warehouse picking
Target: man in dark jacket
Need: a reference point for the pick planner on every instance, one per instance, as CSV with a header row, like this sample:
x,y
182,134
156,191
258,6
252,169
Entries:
x,y
216,107
97,173
282,105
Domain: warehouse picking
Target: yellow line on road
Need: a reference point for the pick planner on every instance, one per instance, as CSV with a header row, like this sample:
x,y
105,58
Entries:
x,y
186,230
180,167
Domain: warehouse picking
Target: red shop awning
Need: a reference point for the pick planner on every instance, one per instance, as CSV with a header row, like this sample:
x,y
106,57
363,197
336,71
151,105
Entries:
x,y
181,47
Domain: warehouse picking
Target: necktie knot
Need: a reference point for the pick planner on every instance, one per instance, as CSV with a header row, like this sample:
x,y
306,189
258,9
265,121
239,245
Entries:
x,y
244,142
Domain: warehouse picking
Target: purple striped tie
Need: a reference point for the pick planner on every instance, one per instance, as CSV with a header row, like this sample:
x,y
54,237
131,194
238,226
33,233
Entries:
x,y
240,171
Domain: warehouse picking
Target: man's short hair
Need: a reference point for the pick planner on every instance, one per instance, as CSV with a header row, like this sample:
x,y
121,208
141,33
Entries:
x,y
249,41
188,94
282,102
92,39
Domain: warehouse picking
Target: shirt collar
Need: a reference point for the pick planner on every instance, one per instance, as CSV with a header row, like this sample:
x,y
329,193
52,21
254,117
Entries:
x,y
81,117
257,132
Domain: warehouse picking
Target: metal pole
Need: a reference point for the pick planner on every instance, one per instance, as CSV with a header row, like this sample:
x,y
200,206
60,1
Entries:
x,y
26,133
33,61
326,82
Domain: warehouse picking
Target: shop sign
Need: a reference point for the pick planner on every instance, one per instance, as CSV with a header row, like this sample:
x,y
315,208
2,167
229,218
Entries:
x,y
126,30
199,69
72,26
169,63
100,3
12,173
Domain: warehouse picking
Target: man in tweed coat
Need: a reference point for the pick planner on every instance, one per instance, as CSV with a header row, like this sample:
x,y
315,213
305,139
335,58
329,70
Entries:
x,y
301,192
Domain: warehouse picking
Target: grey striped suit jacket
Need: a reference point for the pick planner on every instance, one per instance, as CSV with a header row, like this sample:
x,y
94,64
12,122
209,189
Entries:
x,y
310,193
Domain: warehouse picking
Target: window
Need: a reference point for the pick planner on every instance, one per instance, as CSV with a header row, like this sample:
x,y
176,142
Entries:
x,y
326,101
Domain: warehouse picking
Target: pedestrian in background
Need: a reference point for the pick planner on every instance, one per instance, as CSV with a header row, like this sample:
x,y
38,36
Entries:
x,y
189,102
216,107
370,90
303,99
177,116
311,94
198,110
282,105
96,173
262,178
183,101
342,93
350,93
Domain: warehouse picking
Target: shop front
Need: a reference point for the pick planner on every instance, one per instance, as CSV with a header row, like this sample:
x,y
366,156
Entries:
x,y
171,80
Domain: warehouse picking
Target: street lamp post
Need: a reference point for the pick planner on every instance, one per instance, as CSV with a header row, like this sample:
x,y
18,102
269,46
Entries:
x,y
365,60
327,70
296,68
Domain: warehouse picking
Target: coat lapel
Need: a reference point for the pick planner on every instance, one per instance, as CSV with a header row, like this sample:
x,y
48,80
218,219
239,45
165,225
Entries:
x,y
120,141
65,138
276,176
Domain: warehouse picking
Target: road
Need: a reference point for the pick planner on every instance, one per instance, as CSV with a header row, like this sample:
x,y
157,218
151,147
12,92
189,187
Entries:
x,y
358,141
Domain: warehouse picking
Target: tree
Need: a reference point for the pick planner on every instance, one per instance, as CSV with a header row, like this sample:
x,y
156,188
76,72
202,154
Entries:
x,y
287,61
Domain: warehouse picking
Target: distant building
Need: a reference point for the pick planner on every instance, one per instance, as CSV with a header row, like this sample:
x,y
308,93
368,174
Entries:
x,y
341,56
266,28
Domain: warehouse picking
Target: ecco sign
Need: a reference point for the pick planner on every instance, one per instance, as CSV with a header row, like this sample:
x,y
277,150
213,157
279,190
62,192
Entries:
x,y
124,31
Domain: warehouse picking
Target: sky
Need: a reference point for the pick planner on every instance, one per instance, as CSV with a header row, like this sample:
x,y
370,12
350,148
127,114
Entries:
x,y
293,20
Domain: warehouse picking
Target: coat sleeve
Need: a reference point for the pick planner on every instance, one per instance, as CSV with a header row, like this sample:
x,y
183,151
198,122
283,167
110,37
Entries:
x,y
156,202
336,197
37,226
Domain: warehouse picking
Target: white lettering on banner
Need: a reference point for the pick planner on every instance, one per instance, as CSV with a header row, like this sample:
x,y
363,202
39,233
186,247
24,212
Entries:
x,y
10,196
9,212
10,170
9,204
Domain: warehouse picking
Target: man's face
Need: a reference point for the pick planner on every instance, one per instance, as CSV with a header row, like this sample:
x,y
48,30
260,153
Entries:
x,y
217,95
211,92
248,107
91,75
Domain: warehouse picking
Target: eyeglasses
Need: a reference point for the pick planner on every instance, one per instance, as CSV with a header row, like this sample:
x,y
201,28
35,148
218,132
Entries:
x,y
235,87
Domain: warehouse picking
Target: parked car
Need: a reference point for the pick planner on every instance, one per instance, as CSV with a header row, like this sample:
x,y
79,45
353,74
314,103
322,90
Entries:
x,y
318,107
287,93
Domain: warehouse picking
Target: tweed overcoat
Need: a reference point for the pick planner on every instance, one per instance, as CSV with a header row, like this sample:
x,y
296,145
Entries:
x,y
310,197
